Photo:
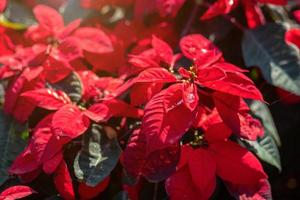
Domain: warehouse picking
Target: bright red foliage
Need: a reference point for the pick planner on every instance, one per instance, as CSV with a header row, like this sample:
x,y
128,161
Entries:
x,y
174,97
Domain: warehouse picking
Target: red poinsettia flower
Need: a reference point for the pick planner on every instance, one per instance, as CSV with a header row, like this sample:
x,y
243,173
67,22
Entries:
x,y
16,192
209,156
252,10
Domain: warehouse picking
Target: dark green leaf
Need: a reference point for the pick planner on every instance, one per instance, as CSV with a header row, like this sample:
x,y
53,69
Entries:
x,y
71,85
11,144
17,15
265,147
98,156
279,62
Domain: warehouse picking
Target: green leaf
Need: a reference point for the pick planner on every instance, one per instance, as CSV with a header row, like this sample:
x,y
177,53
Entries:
x,y
98,156
11,144
17,16
265,147
71,85
265,47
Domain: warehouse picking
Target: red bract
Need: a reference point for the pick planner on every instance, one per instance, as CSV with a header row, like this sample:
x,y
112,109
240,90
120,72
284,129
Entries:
x,y
161,123
16,192
63,181
87,192
292,36
252,10
155,166
199,167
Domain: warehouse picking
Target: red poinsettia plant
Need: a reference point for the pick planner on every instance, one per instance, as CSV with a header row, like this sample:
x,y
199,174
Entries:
x,y
123,102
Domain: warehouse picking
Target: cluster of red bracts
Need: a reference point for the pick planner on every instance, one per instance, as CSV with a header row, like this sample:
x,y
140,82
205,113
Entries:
x,y
206,98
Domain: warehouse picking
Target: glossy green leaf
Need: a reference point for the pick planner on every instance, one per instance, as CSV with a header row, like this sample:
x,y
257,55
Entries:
x,y
265,47
265,147
97,157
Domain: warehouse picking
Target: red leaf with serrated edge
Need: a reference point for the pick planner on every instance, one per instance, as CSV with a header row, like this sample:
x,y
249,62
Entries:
x,y
241,123
88,192
63,182
161,123
202,167
231,157
141,93
162,49
51,165
47,98
169,8
190,95
234,83
77,124
254,15
258,191
16,192
48,18
179,187
152,75
220,7
292,36
199,49
93,40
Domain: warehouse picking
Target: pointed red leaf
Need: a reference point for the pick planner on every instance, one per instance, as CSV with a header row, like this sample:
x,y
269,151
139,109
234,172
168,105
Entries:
x,y
199,49
93,40
51,165
63,181
77,124
254,14
141,93
162,49
292,36
48,18
161,122
240,123
234,83
47,98
202,166
220,7
16,192
180,186
231,157
152,75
